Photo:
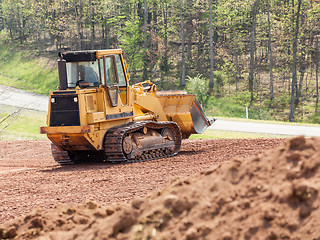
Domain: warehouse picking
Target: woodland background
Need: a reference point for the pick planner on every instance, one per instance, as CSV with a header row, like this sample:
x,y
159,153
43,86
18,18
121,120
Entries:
x,y
261,54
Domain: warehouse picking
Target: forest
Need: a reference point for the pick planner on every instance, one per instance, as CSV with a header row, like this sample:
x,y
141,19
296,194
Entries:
x,y
260,54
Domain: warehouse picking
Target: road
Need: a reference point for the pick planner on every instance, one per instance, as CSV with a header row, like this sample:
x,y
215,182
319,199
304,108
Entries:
x,y
266,128
20,98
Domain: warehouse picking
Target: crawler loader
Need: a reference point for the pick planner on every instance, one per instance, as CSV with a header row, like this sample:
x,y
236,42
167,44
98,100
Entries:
x,y
96,115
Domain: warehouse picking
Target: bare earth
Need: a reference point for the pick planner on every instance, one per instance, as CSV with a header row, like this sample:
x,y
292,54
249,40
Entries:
x,y
30,178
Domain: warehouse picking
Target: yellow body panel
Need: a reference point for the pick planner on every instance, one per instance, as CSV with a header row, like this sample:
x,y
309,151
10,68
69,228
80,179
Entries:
x,y
177,108
67,129
101,53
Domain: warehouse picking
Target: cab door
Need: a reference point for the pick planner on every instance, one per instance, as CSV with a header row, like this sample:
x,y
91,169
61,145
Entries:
x,y
110,78
123,87
116,85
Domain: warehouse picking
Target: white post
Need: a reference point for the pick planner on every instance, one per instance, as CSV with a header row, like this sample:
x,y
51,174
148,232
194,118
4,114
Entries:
x,y
247,113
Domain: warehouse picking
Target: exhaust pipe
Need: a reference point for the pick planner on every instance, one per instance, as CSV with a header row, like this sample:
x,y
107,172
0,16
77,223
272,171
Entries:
x,y
62,69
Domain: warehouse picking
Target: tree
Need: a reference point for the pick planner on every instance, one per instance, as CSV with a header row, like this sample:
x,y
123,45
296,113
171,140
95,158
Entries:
x,y
317,73
14,13
1,17
253,46
270,52
302,61
165,40
183,76
164,63
145,15
211,82
57,21
78,17
294,64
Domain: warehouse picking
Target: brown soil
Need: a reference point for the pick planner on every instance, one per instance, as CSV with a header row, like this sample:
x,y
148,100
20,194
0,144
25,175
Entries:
x,y
240,199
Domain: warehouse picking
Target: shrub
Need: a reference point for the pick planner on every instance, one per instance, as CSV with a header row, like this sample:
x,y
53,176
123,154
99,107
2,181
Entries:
x,y
198,86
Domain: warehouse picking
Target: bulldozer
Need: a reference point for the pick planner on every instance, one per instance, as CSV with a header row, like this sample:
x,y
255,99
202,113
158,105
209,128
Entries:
x,y
95,114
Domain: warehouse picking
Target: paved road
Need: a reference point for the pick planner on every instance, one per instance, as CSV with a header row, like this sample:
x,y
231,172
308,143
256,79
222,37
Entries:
x,y
278,129
19,98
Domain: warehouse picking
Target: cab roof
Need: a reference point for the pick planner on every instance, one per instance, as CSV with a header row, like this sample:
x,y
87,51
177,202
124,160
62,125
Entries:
x,y
88,55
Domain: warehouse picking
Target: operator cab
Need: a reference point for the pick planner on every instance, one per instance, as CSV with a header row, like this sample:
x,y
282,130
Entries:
x,y
85,69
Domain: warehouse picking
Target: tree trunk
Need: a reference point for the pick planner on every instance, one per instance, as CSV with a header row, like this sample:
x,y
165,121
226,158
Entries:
x,y
1,17
155,15
252,47
211,82
145,16
238,74
165,62
317,73
78,25
270,54
199,52
294,64
19,25
190,31
302,70
183,80
92,24
106,31
10,31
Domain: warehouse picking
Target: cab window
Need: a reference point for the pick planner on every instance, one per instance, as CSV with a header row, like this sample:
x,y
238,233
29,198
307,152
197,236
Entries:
x,y
122,79
83,72
110,70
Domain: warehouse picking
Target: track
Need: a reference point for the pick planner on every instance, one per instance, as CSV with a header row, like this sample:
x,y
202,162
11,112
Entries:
x,y
116,136
30,178
119,147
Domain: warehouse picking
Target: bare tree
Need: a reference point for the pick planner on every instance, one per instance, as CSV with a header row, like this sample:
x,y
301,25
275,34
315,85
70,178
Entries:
x,y
92,23
76,6
1,17
183,77
270,53
211,82
9,119
302,61
253,46
317,72
165,66
294,64
145,16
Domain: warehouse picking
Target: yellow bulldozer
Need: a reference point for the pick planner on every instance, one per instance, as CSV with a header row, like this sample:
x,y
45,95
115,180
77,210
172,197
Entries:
x,y
96,115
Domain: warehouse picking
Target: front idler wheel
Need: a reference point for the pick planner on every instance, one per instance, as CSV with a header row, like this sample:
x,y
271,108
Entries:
x,y
128,148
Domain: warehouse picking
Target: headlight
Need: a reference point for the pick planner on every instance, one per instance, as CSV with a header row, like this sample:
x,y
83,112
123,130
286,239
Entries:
x,y
53,100
75,99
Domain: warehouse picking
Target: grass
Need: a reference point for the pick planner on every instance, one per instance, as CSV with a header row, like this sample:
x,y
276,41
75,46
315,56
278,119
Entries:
x,y
269,121
22,124
234,106
220,134
23,68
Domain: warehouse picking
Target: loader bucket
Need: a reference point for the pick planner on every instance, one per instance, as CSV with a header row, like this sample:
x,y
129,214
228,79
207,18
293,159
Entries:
x,y
199,119
185,110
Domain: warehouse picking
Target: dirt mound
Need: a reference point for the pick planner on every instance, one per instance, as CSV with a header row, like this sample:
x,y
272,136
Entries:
x,y
270,196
